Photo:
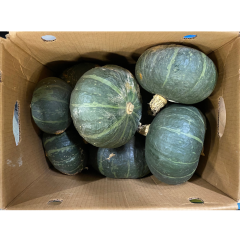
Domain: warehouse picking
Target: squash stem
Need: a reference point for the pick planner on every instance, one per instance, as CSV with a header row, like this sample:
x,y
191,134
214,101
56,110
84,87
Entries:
x,y
129,108
157,103
143,129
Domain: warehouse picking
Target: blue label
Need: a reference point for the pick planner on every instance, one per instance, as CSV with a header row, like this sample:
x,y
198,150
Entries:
x,y
190,36
238,206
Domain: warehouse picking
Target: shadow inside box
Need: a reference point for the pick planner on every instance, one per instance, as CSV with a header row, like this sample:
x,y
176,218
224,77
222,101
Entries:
x,y
93,57
55,182
3,34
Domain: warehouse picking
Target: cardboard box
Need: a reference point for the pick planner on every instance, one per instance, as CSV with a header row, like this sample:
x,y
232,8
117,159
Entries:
x,y
27,182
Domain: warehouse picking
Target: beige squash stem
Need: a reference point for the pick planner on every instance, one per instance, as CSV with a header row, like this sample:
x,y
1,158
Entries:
x,y
157,103
143,129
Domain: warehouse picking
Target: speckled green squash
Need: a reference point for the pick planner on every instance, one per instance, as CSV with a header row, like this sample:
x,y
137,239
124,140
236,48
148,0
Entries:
x,y
73,74
177,73
127,161
50,105
174,143
66,151
105,106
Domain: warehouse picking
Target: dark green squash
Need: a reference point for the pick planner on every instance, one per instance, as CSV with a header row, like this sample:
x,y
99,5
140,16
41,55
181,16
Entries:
x,y
66,151
174,143
50,105
176,73
73,74
127,161
105,106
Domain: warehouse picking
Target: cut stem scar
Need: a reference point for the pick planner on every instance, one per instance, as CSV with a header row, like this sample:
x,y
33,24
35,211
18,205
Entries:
x,y
129,108
144,129
59,132
157,103
111,155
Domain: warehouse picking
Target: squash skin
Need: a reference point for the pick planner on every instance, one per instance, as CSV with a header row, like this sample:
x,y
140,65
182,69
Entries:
x,y
177,73
127,161
66,151
174,143
50,105
105,106
73,74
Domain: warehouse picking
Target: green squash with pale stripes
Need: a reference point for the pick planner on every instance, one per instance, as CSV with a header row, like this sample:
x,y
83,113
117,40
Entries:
x,y
127,161
73,74
66,151
105,106
177,73
50,105
174,143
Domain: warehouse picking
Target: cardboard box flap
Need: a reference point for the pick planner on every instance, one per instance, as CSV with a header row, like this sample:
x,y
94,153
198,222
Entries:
x,y
1,139
0,54
221,164
22,162
90,190
109,46
26,181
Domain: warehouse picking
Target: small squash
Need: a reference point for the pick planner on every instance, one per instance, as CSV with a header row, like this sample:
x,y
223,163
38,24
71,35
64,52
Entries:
x,y
176,73
50,105
66,151
73,74
174,143
127,161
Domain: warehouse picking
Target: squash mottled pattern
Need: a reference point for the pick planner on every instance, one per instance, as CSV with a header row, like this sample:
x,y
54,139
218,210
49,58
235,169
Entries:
x,y
105,106
174,143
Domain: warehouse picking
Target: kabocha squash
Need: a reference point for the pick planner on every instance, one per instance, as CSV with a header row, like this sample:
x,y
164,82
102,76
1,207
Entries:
x,y
127,161
66,151
73,74
175,73
50,105
174,143
105,106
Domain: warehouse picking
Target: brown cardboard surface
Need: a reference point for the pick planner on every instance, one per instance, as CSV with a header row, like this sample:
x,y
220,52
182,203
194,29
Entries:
x,y
0,53
89,190
1,147
1,155
21,164
220,165
30,184
109,46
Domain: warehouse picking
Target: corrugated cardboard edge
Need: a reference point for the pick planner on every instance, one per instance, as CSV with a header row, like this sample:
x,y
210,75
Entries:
x,y
229,52
1,147
1,131
11,183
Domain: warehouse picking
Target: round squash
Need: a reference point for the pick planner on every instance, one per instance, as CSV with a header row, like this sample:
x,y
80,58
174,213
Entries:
x,y
73,74
50,105
105,106
174,143
127,161
66,151
176,73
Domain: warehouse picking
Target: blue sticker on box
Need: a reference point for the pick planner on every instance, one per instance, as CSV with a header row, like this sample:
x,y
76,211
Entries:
x,y
238,206
189,36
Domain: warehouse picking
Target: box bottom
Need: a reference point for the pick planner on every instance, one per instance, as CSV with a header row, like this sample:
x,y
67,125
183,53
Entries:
x,y
90,190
